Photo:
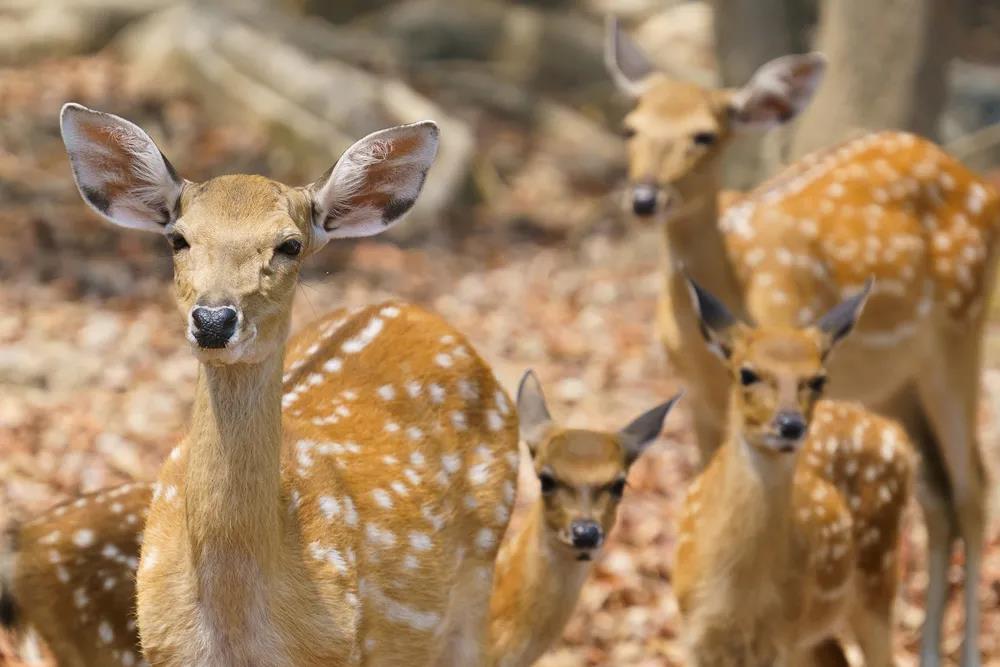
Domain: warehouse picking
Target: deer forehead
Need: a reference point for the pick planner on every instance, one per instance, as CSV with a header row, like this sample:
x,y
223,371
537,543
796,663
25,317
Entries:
x,y
583,457
791,351
687,106
243,202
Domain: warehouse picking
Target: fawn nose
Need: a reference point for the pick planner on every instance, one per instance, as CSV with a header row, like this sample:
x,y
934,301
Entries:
x,y
644,199
586,534
213,326
791,425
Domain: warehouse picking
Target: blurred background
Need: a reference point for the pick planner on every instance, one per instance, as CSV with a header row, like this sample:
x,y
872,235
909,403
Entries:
x,y
520,238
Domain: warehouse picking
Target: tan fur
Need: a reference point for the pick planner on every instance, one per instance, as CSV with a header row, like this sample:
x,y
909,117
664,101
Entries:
x,y
777,549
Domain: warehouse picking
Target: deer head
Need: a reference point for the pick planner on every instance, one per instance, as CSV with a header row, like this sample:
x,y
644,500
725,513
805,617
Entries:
x,y
238,241
677,130
582,473
778,373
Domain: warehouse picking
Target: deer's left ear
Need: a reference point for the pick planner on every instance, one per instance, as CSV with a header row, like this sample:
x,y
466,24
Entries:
x,y
375,182
628,66
644,429
840,320
533,416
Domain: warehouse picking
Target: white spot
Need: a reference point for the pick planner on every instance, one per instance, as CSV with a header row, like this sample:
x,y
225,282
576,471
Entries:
x,y
417,459
458,420
443,360
386,392
333,365
364,337
117,508
390,460
391,427
83,538
414,433
80,598
390,312
479,473
51,538
411,562
437,393
110,551
109,583
399,488
63,574
411,476
382,498
106,633
350,514
467,390
508,492
329,506
413,388
379,536
451,463
396,611
485,539
170,493
420,541
493,420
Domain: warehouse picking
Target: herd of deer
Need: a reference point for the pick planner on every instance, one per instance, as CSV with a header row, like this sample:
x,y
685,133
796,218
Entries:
x,y
344,499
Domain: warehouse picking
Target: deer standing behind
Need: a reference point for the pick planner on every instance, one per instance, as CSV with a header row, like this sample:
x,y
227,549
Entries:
x,y
889,205
794,525
543,564
362,528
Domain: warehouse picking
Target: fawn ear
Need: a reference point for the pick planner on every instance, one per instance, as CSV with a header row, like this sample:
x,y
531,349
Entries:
x,y
533,415
374,182
777,92
716,322
118,169
840,320
644,429
628,65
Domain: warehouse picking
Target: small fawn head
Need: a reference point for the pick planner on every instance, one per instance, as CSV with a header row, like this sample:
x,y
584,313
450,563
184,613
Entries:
x,y
677,130
778,373
238,241
582,473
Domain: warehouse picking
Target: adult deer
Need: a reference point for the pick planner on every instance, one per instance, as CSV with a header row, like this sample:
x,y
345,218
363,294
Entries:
x,y
888,205
362,528
543,564
794,525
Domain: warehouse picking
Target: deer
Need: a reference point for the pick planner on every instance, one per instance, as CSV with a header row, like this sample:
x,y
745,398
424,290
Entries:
x,y
354,518
543,564
887,204
793,527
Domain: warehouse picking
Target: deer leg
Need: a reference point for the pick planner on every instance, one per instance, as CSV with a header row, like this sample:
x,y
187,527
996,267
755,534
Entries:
x,y
949,389
872,627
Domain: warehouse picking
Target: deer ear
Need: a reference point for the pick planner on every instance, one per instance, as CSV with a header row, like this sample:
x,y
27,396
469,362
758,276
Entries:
x,y
716,322
777,92
374,182
533,414
628,65
118,169
644,429
840,319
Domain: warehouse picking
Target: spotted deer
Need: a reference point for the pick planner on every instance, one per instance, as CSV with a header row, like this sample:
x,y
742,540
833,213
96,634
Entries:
x,y
793,527
889,205
359,525
543,564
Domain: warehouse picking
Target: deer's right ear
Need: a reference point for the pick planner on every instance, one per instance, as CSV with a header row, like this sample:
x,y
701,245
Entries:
x,y
628,65
374,182
118,169
716,322
533,416
777,92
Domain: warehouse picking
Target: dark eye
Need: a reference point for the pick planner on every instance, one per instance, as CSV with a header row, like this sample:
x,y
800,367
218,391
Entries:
x,y
291,247
628,132
617,488
548,483
177,241
704,138
748,377
817,383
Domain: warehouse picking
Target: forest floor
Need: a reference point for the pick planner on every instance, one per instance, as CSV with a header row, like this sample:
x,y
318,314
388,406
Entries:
x,y
96,379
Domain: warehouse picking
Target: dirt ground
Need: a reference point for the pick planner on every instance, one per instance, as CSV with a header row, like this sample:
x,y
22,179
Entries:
x,y
96,380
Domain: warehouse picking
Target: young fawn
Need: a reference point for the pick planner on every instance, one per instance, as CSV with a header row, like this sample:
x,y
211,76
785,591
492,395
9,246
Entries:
x,y
793,526
543,564
360,526
889,205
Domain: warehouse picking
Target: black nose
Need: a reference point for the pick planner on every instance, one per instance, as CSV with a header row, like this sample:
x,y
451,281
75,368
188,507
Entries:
x,y
213,327
644,199
586,534
791,425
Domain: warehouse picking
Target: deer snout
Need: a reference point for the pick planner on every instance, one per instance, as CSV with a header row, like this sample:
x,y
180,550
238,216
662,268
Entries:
x,y
790,425
644,199
213,326
586,534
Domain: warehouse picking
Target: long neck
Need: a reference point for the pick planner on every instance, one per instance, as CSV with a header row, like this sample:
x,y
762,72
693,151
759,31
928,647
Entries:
x,y
537,587
695,245
233,475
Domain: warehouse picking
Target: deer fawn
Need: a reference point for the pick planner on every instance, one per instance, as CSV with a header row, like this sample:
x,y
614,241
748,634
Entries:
x,y
888,205
794,524
543,565
361,528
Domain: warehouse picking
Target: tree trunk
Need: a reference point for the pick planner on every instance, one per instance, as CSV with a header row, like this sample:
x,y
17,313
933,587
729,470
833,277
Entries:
x,y
888,63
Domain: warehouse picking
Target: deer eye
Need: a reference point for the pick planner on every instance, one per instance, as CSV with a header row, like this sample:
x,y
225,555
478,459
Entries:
x,y
628,132
548,483
704,138
748,377
617,488
177,241
291,247
817,383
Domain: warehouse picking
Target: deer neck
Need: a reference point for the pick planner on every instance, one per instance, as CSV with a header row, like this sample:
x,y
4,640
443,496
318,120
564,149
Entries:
x,y
545,579
696,246
233,477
